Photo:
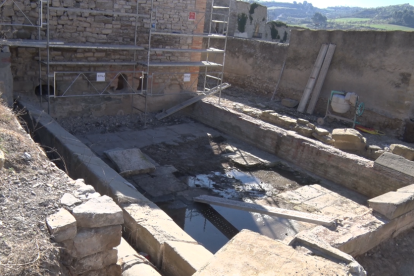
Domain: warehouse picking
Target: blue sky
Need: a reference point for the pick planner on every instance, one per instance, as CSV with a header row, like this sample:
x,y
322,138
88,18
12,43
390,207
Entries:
x,y
352,3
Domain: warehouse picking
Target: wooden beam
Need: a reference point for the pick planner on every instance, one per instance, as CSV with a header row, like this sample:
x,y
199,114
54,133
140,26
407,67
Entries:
x,y
268,210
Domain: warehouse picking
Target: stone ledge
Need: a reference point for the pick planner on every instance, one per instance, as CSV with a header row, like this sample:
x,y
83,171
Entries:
x,y
392,204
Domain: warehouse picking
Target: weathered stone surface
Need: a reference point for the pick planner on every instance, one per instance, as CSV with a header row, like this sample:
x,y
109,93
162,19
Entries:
x,y
95,261
62,225
324,139
251,112
289,102
278,120
132,263
89,241
84,190
303,122
98,212
403,151
321,131
407,189
304,130
392,204
112,270
390,162
182,258
69,200
260,255
1,159
130,161
348,139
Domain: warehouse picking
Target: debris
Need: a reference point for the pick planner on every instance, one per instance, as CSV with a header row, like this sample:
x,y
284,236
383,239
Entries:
x,y
289,102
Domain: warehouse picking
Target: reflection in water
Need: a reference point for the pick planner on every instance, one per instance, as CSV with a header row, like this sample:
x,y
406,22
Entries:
x,y
214,226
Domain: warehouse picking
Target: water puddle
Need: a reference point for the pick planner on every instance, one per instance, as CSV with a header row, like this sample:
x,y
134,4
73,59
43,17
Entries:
x,y
213,226
232,184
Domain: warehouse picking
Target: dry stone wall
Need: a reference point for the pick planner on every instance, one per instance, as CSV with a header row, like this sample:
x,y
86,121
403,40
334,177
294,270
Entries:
x,y
89,226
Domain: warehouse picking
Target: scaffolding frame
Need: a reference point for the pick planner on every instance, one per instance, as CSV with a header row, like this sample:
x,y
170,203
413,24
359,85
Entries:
x,y
45,43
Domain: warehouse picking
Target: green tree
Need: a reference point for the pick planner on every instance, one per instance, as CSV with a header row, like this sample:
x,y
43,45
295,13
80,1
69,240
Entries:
x,y
319,18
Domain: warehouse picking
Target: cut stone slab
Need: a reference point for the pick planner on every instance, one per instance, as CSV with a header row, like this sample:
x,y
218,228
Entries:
x,y
69,200
89,241
348,139
407,189
392,204
303,130
403,151
391,162
184,259
289,102
98,212
130,161
96,261
62,225
260,255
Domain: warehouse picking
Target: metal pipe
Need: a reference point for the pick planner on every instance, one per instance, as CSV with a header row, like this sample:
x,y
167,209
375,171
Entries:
x,y
278,81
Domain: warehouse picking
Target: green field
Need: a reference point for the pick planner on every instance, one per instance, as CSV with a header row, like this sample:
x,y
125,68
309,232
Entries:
x,y
361,23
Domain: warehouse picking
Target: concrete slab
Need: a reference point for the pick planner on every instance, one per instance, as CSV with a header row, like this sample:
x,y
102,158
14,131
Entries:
x,y
260,255
248,160
392,204
130,161
183,258
104,138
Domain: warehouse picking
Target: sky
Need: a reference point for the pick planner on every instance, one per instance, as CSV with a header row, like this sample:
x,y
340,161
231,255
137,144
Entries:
x,y
351,3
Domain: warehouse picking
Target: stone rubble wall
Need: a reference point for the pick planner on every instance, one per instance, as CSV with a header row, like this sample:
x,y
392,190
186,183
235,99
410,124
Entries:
x,y
89,226
84,27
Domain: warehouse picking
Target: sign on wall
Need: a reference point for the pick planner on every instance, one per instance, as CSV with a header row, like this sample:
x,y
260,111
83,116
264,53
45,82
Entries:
x,y
187,77
191,16
100,76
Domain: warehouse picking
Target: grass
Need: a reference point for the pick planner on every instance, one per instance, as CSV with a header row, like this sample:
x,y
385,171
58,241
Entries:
x,y
349,20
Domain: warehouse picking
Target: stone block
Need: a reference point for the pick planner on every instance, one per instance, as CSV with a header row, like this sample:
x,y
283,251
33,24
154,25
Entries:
x,y
302,122
321,131
278,120
324,139
98,212
289,102
2,159
348,139
130,161
89,241
391,162
62,225
112,270
303,130
184,259
260,255
95,261
69,200
392,204
404,151
407,189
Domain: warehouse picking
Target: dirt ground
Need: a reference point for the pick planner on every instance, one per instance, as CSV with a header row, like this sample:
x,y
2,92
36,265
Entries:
x,y
30,189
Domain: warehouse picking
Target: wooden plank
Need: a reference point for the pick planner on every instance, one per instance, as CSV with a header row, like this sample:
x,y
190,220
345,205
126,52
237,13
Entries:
x,y
321,78
312,79
271,211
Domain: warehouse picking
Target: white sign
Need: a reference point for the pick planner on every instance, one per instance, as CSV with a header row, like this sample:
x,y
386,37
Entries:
x,y
100,76
187,77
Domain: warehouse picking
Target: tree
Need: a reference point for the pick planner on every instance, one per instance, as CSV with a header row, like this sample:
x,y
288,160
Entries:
x,y
319,19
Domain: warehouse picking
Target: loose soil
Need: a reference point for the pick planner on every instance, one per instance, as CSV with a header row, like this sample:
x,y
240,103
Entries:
x,y
30,189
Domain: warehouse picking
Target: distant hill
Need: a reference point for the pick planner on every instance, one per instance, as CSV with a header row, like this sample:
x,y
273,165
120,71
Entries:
x,y
300,14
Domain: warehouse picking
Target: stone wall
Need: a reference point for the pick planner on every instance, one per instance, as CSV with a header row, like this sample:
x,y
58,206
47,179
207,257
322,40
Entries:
x,y
378,66
88,226
80,26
